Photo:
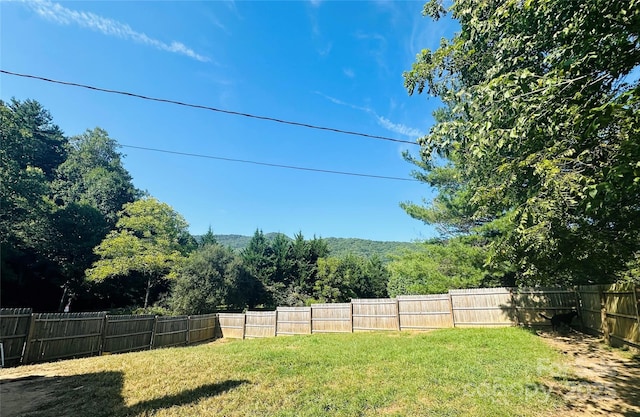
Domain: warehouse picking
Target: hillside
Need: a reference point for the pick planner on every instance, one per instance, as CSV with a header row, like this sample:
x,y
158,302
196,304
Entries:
x,y
338,246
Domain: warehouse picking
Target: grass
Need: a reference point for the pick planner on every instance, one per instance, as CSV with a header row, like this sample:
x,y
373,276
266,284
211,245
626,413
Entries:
x,y
452,372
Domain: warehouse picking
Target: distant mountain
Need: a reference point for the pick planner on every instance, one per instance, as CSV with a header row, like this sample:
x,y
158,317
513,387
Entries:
x,y
363,247
239,242
338,246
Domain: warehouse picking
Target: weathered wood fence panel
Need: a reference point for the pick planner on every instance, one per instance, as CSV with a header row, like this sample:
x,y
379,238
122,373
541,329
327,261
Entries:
x,y
481,307
202,328
231,325
591,308
127,333
171,331
260,324
620,302
55,336
531,302
424,312
331,318
14,329
293,320
375,314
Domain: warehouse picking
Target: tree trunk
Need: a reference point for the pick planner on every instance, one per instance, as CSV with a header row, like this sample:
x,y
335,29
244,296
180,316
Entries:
x,y
146,297
64,294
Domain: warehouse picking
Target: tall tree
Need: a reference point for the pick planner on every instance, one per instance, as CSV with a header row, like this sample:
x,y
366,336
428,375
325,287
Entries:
x,y
150,239
31,147
257,258
540,129
93,174
212,278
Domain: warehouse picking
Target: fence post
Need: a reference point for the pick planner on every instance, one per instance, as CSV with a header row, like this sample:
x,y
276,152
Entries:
x,y
453,320
603,316
244,325
398,312
578,297
310,319
514,304
275,326
636,294
351,314
153,333
103,339
27,342
188,329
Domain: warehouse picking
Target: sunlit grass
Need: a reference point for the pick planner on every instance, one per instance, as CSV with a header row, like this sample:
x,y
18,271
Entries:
x,y
454,372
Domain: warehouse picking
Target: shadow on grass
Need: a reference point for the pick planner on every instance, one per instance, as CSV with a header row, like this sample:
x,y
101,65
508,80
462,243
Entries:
x,y
93,394
611,384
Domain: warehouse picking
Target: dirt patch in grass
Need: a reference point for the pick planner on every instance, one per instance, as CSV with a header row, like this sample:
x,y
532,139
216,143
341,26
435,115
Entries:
x,y
596,380
21,394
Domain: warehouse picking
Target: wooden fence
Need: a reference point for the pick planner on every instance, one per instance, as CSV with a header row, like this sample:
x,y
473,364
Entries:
x,y
128,333
202,328
231,325
260,324
14,329
63,335
293,320
612,311
609,310
425,312
375,314
331,318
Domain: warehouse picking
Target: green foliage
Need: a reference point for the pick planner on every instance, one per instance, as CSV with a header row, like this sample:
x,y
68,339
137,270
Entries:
x,y
286,268
341,279
31,146
338,247
93,174
436,268
58,200
210,279
539,131
150,238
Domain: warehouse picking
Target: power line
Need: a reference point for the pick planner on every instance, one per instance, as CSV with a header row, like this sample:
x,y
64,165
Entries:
x,y
244,161
198,106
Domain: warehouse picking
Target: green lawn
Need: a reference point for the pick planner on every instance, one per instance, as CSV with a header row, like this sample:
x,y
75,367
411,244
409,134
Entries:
x,y
453,372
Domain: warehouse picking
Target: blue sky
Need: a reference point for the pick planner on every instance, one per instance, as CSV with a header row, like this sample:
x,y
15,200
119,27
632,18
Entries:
x,y
327,63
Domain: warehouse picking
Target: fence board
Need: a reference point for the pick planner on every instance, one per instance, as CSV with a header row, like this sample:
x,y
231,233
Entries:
x,y
331,318
171,331
260,324
621,312
202,328
127,333
64,335
424,312
293,320
375,314
590,308
14,328
480,307
531,302
231,325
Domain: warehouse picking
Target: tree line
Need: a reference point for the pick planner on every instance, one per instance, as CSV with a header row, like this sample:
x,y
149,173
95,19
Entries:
x,y
74,229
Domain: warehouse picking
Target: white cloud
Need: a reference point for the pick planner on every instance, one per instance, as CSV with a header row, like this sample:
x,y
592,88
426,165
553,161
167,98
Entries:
x,y
64,16
398,128
349,72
